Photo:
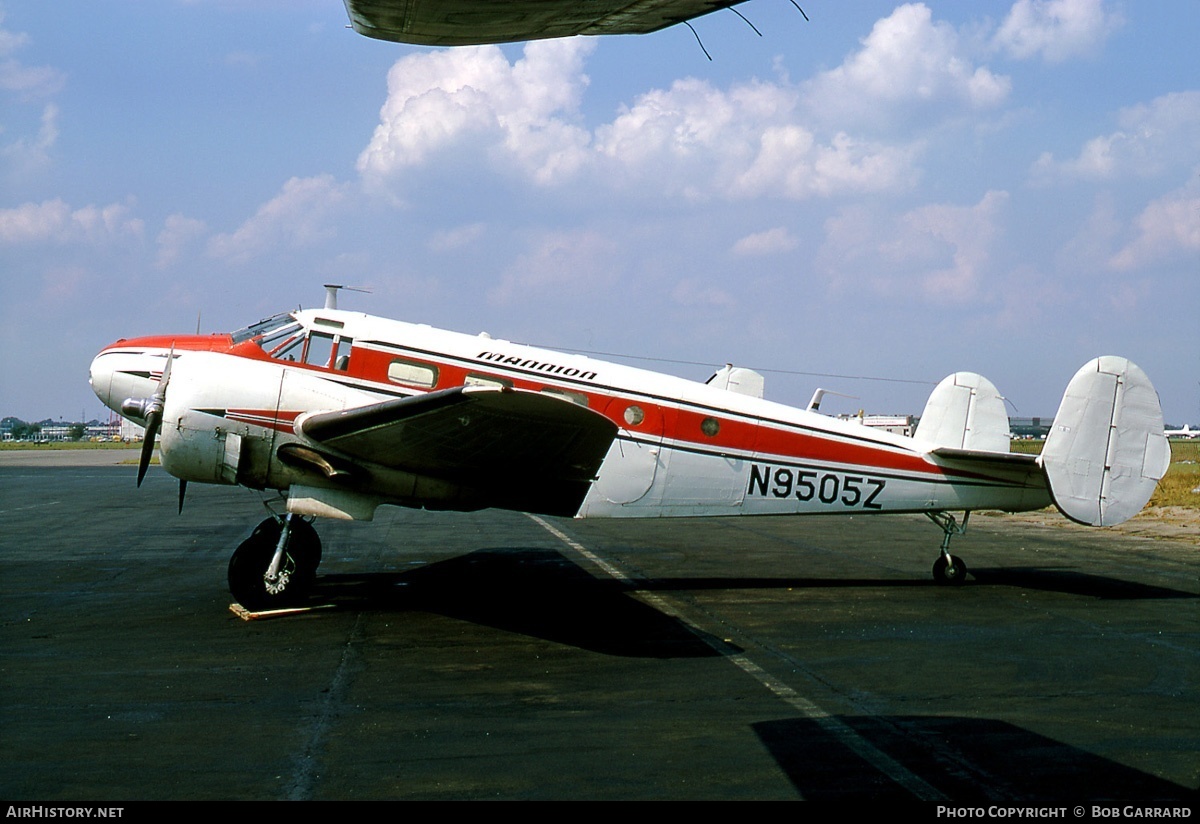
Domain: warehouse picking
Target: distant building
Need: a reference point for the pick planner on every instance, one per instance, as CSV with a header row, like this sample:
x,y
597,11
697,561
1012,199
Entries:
x,y
1036,428
130,431
897,424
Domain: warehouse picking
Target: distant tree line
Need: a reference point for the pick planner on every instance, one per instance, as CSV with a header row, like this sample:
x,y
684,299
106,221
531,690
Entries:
x,y
20,430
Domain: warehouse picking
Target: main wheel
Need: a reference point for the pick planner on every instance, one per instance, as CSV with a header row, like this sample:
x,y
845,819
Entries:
x,y
297,572
952,571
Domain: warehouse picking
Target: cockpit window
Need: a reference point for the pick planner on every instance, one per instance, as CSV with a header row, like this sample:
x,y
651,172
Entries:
x,y
263,327
284,343
283,338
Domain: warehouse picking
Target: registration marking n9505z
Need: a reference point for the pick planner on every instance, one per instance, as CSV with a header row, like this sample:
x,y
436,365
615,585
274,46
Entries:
x,y
808,485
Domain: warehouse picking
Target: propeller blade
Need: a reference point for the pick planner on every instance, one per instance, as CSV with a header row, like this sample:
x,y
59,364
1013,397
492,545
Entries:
x,y
153,419
182,492
166,375
154,415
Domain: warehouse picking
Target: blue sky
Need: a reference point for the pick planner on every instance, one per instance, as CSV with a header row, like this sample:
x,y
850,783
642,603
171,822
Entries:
x,y
867,201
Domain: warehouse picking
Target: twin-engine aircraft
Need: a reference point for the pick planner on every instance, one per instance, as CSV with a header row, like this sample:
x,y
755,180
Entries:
x,y
342,412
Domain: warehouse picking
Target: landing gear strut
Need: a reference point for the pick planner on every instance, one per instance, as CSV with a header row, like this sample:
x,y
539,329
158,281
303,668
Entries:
x,y
949,569
277,565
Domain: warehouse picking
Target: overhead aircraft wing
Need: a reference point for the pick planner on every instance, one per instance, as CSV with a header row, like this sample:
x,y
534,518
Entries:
x,y
519,450
474,22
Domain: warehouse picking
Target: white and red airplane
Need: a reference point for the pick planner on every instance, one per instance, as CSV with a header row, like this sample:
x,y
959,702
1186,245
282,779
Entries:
x,y
342,412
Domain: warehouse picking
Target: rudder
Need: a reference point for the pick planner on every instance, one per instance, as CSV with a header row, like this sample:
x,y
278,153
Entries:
x,y
1106,450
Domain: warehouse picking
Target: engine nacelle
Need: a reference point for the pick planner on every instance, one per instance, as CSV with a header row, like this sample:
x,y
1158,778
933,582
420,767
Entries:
x,y
195,449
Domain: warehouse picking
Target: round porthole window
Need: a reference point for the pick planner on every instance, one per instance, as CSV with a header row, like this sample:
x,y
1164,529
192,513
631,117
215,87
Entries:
x,y
634,415
710,427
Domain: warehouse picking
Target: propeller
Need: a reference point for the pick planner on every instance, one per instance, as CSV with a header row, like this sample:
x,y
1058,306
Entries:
x,y
150,410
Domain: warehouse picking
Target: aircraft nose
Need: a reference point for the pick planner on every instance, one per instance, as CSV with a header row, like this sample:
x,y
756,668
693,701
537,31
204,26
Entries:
x,y
100,377
121,371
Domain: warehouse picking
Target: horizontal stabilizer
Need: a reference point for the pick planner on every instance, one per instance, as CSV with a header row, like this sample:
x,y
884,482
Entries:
x,y
1106,451
997,459
965,411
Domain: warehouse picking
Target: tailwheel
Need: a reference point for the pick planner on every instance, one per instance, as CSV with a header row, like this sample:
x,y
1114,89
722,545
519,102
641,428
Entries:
x,y
949,569
257,581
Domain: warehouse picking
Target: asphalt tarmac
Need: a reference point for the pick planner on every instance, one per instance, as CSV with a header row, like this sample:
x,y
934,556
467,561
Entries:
x,y
493,655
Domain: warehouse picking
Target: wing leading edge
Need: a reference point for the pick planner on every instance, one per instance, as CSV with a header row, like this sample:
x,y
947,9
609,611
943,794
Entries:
x,y
526,451
475,22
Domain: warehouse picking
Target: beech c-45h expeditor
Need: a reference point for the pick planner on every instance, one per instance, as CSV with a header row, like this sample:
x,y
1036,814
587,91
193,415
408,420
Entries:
x,y
342,412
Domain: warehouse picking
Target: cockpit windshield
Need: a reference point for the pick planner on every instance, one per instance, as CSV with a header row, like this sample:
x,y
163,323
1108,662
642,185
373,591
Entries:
x,y
281,336
263,327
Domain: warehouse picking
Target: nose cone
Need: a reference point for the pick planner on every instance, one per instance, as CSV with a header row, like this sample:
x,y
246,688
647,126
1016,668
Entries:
x,y
123,371
100,377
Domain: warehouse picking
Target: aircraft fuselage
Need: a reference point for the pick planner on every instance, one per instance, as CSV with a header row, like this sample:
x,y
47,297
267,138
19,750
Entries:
x,y
682,448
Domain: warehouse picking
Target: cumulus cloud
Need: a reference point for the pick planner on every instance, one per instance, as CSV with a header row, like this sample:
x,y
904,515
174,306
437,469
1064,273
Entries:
x,y
31,153
698,142
791,164
967,233
1057,30
692,293
1152,138
770,242
569,263
1167,229
54,221
907,64
296,217
694,141
25,82
472,99
177,234
940,252
457,237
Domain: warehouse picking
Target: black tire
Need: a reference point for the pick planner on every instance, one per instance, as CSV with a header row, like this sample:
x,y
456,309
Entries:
x,y
952,572
252,557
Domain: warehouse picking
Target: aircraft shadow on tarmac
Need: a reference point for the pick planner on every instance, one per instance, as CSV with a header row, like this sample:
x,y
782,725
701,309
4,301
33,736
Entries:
x,y
543,594
1065,581
969,760
1073,582
536,592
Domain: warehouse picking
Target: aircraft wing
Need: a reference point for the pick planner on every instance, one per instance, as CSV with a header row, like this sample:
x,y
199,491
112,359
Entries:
x,y
519,450
474,22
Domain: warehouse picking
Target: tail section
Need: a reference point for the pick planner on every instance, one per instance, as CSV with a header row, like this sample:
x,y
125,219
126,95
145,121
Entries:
x,y
1106,451
965,411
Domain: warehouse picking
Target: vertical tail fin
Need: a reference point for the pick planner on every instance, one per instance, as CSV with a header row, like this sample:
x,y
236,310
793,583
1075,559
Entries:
x,y
1106,451
965,411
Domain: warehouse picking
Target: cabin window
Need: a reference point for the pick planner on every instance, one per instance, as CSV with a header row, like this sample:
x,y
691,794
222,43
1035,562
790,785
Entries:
x,y
319,349
710,427
573,397
412,373
634,415
341,354
487,380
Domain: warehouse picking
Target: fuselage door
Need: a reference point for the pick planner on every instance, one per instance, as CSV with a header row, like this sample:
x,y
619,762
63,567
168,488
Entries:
x,y
635,457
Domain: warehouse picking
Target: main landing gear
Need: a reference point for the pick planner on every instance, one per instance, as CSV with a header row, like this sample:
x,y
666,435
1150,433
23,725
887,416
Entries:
x,y
949,569
277,565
